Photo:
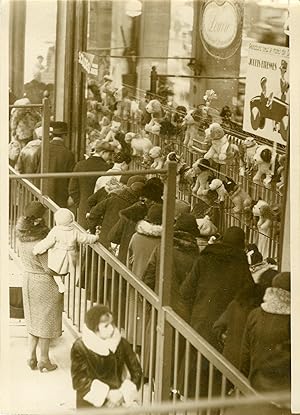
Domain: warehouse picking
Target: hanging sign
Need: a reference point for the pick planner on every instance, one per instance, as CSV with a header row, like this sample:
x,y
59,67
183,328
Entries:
x,y
220,27
266,108
86,60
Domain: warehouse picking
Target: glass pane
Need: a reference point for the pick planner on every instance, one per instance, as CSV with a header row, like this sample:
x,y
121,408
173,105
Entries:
x,y
40,39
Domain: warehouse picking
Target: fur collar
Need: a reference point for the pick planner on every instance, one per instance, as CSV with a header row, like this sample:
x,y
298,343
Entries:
x,y
100,346
185,241
29,230
149,229
277,301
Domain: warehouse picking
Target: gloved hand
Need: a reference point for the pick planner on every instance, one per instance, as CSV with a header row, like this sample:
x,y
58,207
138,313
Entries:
x,y
114,398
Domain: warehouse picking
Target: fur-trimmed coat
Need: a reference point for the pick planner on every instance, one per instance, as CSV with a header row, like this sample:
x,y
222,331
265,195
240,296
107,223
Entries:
x,y
218,274
141,246
87,365
265,356
185,252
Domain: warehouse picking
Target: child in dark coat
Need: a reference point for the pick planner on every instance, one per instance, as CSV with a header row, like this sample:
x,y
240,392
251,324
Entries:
x,y
98,362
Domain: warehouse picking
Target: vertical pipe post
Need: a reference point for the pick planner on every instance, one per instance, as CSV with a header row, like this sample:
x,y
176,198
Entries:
x,y
45,142
164,333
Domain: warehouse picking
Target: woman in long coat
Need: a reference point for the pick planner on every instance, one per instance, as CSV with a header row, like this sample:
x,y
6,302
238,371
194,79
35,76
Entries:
x,y
185,252
142,244
43,304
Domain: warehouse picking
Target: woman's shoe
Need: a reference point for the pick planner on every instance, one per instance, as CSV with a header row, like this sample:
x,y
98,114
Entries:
x,y
46,366
32,363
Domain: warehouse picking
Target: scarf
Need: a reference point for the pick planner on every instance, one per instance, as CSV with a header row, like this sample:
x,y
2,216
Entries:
x,y
100,346
277,301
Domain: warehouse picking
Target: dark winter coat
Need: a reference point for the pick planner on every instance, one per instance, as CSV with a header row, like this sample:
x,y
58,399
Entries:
x,y
266,355
87,365
30,158
80,188
232,323
97,197
185,251
106,213
104,191
61,159
123,230
217,275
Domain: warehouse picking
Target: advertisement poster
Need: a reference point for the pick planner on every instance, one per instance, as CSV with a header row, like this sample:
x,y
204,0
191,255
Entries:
x,y
266,109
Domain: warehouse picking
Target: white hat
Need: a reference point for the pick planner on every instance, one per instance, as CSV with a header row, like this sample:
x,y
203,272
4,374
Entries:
x,y
63,216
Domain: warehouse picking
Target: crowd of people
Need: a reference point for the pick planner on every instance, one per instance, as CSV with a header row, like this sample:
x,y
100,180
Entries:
x,y
222,287
226,291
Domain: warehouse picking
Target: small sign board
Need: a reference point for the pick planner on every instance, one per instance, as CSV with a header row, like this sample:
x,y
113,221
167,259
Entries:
x,y
87,62
266,108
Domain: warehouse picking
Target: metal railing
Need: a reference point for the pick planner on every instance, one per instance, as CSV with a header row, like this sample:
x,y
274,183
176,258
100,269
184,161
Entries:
x,y
164,342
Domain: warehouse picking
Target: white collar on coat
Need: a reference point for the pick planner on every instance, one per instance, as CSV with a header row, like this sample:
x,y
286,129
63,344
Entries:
x,y
98,345
277,301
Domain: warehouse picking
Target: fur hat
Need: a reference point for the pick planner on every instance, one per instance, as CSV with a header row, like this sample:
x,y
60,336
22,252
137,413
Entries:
x,y
186,222
234,236
181,206
216,131
34,210
206,227
135,179
283,281
154,214
92,317
63,217
153,189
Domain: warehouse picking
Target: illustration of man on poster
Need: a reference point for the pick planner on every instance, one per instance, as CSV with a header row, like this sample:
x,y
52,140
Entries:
x,y
267,111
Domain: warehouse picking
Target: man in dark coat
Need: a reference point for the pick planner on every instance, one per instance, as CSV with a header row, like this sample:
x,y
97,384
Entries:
x,y
61,159
80,188
219,272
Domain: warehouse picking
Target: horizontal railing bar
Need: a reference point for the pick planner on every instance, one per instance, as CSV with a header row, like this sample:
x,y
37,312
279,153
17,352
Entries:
x,y
27,106
86,174
199,76
194,405
209,352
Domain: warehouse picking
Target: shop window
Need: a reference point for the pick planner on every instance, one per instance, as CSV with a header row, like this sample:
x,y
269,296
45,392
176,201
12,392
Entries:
x,y
40,40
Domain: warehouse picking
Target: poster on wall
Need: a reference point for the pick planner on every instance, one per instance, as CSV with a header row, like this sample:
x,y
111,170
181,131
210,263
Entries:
x,y
266,108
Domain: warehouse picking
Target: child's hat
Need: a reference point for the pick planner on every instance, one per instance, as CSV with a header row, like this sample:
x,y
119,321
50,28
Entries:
x,y
63,216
